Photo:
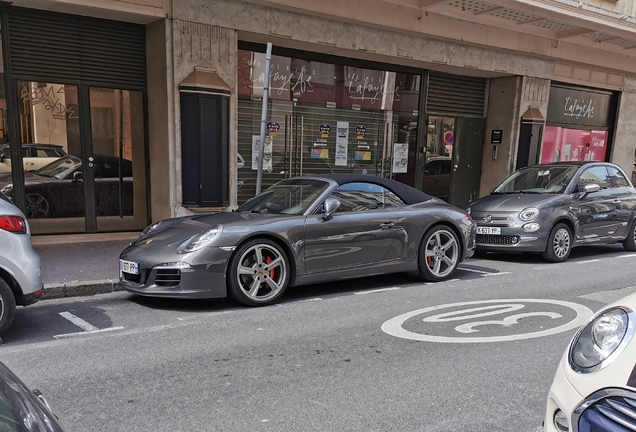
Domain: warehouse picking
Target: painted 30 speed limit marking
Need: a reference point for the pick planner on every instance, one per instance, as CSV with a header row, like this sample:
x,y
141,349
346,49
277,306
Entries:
x,y
475,316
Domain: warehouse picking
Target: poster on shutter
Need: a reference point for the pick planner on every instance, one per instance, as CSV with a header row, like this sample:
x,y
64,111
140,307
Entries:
x,y
400,157
342,143
267,157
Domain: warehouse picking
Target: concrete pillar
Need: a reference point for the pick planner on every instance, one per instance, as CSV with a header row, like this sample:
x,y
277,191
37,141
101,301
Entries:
x,y
624,145
503,114
160,118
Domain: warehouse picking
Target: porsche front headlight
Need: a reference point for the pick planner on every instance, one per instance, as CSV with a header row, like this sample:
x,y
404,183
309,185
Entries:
x,y
200,241
601,340
150,228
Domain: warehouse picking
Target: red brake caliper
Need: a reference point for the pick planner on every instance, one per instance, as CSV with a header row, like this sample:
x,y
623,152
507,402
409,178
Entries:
x,y
268,260
429,260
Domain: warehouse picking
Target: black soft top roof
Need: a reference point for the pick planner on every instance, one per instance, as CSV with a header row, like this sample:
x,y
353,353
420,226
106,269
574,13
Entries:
x,y
406,193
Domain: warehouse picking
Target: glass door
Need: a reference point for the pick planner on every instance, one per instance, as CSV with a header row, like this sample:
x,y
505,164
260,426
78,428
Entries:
x,y
117,159
52,157
80,147
440,142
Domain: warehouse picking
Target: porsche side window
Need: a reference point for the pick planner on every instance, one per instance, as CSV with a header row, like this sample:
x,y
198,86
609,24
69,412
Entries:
x,y
594,175
365,196
618,179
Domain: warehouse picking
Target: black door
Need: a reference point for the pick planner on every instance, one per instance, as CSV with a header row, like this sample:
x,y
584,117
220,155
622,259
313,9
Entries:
x,y
466,164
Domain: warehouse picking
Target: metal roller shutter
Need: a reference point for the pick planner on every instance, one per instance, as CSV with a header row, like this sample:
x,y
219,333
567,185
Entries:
x,y
456,95
49,46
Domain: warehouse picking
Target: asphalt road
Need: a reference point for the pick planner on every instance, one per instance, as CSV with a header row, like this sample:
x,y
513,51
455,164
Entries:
x,y
331,357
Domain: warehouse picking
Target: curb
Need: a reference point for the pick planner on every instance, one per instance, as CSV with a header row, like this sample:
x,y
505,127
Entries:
x,y
77,289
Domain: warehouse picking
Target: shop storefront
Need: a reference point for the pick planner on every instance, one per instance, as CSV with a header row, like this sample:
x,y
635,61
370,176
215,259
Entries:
x,y
346,116
73,134
325,118
579,124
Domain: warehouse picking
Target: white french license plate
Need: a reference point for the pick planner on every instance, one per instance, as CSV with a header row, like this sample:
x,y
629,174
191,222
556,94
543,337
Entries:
x,y
129,267
488,230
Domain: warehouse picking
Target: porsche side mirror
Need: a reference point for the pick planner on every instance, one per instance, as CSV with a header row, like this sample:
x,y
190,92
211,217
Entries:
x,y
331,205
590,188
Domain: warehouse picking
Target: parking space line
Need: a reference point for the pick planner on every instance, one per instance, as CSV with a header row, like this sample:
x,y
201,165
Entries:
x,y
546,267
376,290
587,261
78,322
496,274
626,256
89,332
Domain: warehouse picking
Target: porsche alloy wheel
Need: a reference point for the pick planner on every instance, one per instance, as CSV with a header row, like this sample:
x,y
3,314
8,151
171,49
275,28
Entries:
x,y
36,206
559,244
439,254
259,273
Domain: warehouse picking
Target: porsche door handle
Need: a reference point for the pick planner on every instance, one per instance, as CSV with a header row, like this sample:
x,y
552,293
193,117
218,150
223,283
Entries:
x,y
387,225
617,201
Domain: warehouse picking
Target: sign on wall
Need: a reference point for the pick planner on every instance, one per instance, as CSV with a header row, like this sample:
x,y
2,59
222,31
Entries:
x,y
570,106
342,143
267,155
400,157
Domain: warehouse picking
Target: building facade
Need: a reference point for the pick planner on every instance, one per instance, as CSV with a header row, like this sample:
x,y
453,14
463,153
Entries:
x,y
158,104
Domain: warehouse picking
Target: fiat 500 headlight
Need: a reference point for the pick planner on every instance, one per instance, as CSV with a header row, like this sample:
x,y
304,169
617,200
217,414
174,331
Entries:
x,y
200,241
528,214
601,340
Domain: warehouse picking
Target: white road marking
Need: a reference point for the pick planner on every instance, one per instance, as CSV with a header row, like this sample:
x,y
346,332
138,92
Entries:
x,y
472,270
546,267
587,261
89,332
376,290
451,280
394,327
299,301
626,256
497,274
78,321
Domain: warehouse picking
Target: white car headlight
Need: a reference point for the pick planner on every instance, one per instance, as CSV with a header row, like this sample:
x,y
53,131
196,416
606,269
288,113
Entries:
x,y
528,214
200,241
601,340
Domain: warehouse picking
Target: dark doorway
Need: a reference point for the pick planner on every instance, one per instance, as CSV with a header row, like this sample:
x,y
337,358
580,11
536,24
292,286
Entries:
x,y
529,144
466,164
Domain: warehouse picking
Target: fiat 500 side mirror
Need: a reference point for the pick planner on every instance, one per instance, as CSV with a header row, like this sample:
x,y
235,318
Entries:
x,y
590,188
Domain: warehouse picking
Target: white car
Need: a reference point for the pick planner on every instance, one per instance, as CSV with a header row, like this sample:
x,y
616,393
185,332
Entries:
x,y
34,156
20,270
594,389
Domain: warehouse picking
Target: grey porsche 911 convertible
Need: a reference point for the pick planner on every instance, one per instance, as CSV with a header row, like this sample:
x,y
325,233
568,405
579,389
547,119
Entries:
x,y
300,231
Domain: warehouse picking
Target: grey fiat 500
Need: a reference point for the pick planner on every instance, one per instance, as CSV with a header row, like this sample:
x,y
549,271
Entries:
x,y
551,208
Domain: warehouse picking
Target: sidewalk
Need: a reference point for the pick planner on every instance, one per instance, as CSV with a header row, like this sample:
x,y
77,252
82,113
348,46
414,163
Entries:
x,y
80,264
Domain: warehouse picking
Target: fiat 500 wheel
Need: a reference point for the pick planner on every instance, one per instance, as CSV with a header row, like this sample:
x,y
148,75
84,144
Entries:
x,y
630,242
559,244
259,273
439,254
7,307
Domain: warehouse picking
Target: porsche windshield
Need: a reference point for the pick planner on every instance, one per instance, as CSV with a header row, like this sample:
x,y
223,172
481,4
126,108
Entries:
x,y
59,168
291,198
547,179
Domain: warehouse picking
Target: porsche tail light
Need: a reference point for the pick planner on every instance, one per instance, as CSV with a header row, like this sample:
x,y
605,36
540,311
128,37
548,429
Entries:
x,y
13,224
